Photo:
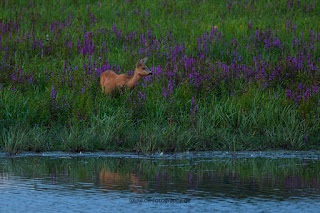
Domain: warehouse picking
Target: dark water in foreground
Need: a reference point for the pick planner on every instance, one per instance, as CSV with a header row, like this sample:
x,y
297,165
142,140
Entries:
x,y
188,182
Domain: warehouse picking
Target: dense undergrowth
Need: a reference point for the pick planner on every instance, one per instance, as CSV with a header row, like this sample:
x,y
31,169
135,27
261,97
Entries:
x,y
232,75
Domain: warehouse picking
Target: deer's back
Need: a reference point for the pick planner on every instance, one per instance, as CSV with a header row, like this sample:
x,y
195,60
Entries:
x,y
109,79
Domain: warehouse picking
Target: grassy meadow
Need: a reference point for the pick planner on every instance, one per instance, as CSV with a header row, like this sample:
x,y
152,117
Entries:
x,y
227,75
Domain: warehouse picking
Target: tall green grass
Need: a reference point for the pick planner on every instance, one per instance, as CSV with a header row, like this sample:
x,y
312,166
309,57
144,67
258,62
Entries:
x,y
255,121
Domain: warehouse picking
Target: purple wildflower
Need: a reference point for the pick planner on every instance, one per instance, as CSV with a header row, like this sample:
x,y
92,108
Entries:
x,y
294,27
83,89
53,95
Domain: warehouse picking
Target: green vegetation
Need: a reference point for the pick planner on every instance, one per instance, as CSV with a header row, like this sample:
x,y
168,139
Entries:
x,y
235,75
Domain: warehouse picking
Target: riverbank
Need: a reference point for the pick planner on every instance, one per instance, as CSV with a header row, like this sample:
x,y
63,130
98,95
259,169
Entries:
x,y
158,126
244,76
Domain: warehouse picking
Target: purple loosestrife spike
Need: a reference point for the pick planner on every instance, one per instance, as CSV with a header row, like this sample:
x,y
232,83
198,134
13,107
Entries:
x,y
298,4
114,28
288,93
257,34
196,108
165,94
34,45
53,95
294,27
52,90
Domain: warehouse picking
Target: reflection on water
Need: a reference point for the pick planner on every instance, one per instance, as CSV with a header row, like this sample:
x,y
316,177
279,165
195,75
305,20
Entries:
x,y
94,183
124,182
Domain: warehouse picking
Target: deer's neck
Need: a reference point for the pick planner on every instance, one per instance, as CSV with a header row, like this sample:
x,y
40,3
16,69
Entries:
x,y
133,80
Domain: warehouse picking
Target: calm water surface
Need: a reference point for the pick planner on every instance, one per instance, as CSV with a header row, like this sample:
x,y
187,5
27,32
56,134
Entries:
x,y
189,182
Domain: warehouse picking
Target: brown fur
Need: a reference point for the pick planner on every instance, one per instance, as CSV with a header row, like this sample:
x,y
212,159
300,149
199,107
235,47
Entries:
x,y
108,180
109,80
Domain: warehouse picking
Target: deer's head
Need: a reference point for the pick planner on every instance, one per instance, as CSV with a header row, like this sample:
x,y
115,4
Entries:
x,y
141,68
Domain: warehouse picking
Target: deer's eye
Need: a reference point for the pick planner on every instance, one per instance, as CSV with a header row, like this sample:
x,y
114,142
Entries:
x,y
143,68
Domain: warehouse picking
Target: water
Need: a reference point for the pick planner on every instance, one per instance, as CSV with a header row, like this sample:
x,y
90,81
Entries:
x,y
188,182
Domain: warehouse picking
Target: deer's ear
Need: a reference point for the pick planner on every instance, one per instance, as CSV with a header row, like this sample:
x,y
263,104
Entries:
x,y
139,63
144,60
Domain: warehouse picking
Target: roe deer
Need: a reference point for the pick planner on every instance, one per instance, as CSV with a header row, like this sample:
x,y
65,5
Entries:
x,y
110,80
